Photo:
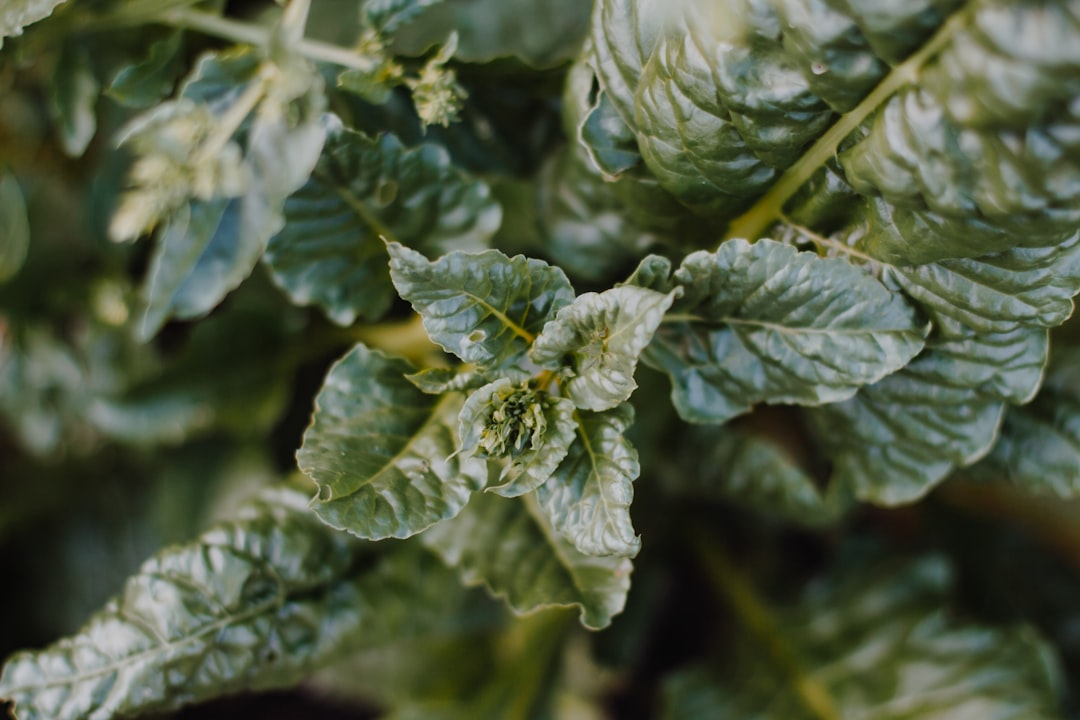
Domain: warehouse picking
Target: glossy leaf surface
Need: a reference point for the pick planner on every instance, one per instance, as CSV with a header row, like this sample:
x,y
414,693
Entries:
x,y
330,253
380,450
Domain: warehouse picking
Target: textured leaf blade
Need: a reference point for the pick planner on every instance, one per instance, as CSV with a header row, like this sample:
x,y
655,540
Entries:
x,y
882,648
769,324
1039,447
14,227
501,544
330,254
997,293
254,603
602,335
896,439
587,500
484,307
380,451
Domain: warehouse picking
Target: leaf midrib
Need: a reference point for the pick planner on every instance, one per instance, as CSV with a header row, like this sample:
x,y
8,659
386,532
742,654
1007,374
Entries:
x,y
768,208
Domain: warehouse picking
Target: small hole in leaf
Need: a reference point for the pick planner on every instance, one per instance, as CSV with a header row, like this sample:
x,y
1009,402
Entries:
x,y
477,336
325,493
386,192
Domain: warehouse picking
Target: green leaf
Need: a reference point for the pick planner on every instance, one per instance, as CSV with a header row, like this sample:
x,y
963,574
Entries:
x,y
764,323
14,228
208,246
73,99
436,381
755,466
329,252
897,439
587,500
257,602
879,647
388,15
996,293
17,14
598,338
484,307
382,452
530,429
141,84
542,33
509,548
608,140
1039,447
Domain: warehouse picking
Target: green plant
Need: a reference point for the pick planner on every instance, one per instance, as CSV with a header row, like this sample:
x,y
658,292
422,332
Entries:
x,y
785,271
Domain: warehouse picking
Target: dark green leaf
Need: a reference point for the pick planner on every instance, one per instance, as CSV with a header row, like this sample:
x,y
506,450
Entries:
x,y
388,15
754,465
14,228
598,338
1039,447
542,33
587,499
507,546
257,602
329,252
142,84
880,648
484,307
382,452
529,429
74,99
897,439
764,323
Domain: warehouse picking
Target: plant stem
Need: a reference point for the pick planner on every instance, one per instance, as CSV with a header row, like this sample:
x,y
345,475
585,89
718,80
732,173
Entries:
x,y
752,224
730,583
243,32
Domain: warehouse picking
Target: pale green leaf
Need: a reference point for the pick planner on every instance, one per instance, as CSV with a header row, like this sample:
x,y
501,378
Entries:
x,y
73,99
587,500
254,603
17,14
764,323
382,452
486,308
879,647
1039,447
897,439
598,339
330,254
530,430
141,84
209,246
509,548
14,227
436,381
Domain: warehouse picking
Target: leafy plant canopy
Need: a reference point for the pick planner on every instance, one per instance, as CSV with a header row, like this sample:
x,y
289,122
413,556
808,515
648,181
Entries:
x,y
540,358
